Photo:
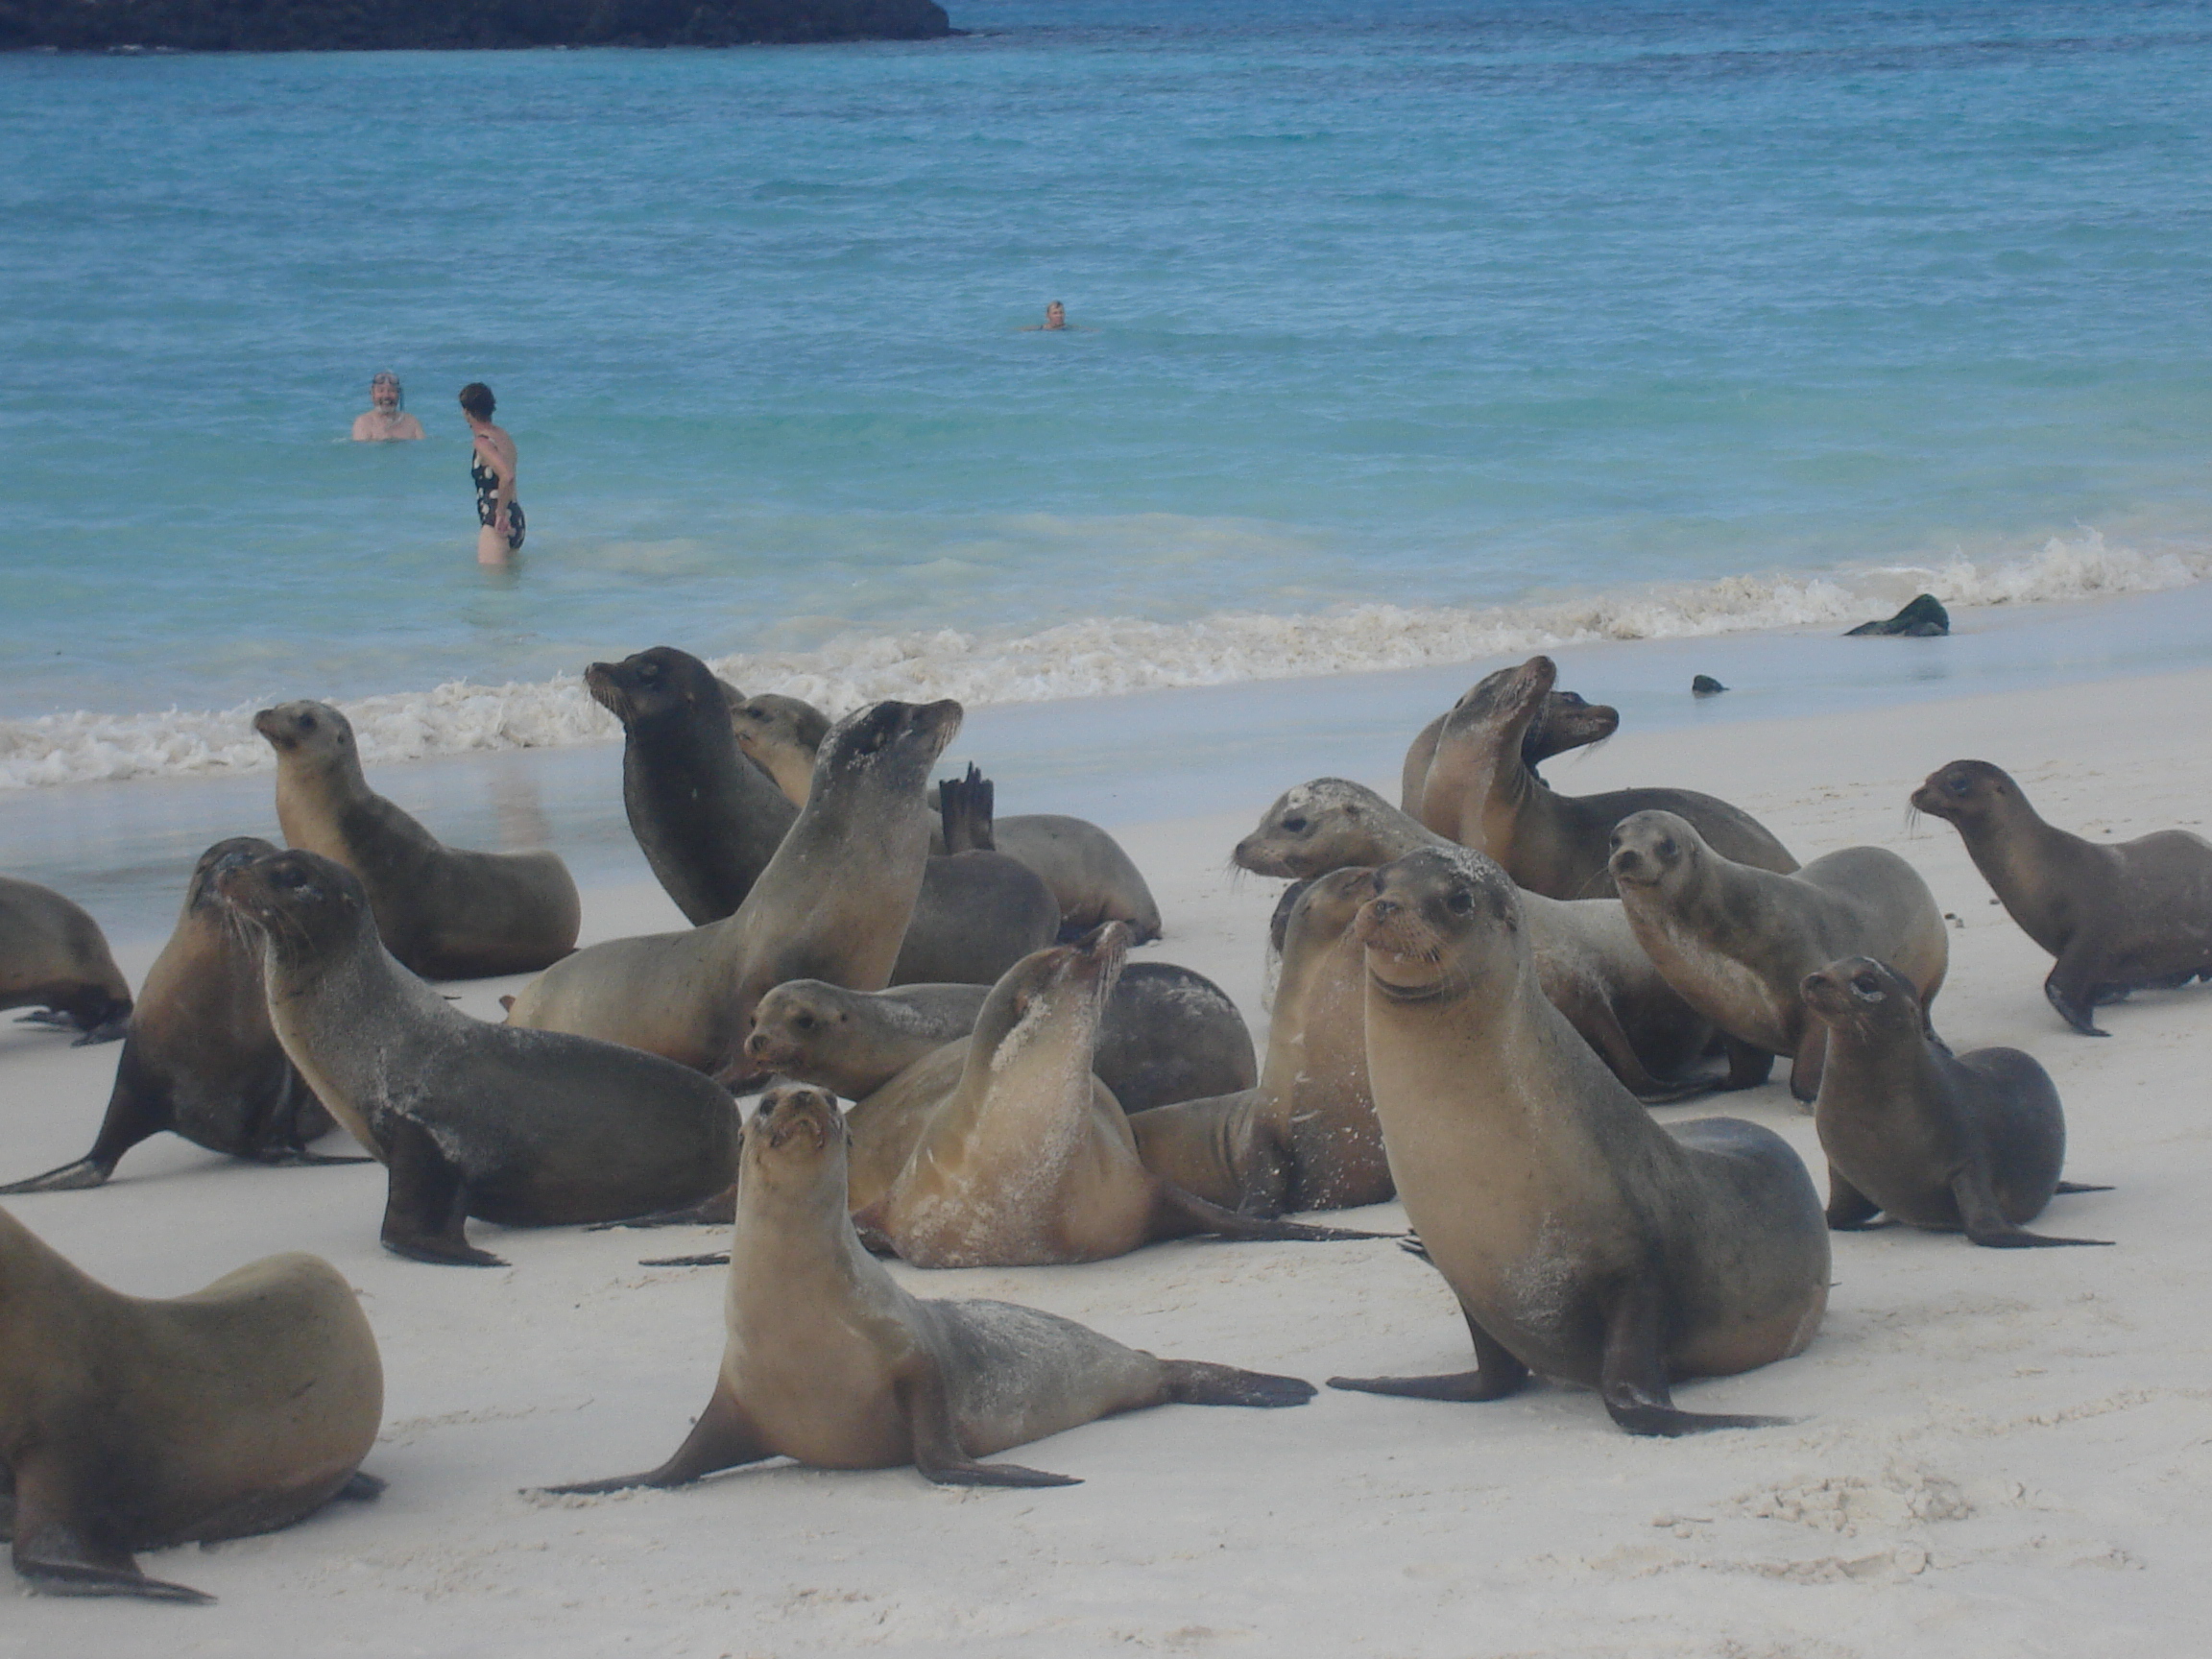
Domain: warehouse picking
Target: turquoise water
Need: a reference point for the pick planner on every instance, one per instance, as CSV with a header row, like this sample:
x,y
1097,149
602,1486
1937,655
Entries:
x,y
1434,305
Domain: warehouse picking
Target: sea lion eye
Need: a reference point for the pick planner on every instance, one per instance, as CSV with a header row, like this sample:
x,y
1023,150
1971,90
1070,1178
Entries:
x,y
1294,826
1868,986
805,1022
306,722
1666,848
1956,784
284,876
1461,902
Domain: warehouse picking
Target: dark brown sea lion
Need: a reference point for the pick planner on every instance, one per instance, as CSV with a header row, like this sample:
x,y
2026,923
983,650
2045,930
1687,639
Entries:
x,y
1968,1143
445,913
2119,917
1482,794
1583,1240
199,1058
523,1128
707,820
54,958
1565,721
130,1424
1738,941
831,1362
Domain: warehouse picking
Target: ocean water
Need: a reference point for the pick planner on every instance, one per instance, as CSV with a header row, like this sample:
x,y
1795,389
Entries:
x,y
1406,334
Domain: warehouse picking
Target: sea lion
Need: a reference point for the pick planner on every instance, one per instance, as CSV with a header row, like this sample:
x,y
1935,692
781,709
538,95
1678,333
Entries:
x,y
779,735
1587,956
1583,1240
200,1057
707,821
444,912
1480,793
54,958
1022,1157
523,1128
2119,917
1737,941
1088,872
831,1362
1306,1136
1566,720
978,912
832,904
1167,1034
130,1424
1971,1142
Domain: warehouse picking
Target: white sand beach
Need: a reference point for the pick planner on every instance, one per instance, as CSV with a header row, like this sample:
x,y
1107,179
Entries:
x,y
1994,1452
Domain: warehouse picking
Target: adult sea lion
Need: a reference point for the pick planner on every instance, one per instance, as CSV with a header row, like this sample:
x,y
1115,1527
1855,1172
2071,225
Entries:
x,y
1482,794
1583,1240
1167,1034
1737,941
54,958
1566,720
978,912
832,904
1968,1143
707,821
200,1057
523,1128
130,1424
2119,917
1587,956
831,1362
444,912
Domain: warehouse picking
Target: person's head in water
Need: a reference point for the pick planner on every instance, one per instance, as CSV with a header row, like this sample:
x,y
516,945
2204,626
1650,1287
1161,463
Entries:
x,y
384,392
1055,315
477,401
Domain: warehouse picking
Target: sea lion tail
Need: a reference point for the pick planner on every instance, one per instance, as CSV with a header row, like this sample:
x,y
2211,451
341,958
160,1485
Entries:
x,y
1196,1382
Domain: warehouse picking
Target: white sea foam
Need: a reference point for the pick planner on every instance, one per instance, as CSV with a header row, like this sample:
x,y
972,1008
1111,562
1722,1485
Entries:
x,y
1098,657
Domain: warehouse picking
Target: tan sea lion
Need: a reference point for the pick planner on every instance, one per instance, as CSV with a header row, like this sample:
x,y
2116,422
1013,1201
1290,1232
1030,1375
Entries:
x,y
200,1057
2119,917
779,735
54,958
129,1425
1480,793
1966,1143
1587,955
978,912
444,912
1566,720
523,1128
1583,1240
830,1363
1737,941
832,904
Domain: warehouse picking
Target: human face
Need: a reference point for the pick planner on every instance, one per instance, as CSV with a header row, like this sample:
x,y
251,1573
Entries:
x,y
384,394
1055,315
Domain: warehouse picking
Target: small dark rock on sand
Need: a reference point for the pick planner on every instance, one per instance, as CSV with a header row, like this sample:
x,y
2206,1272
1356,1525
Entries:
x,y
1705,685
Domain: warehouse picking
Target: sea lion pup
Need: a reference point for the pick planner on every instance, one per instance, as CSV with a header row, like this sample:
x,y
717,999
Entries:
x,y
523,1128
834,904
1482,794
130,1424
444,912
828,1361
707,821
1167,1034
1587,956
2119,917
1583,1240
1306,1136
1972,1143
54,958
1737,941
779,735
1022,1157
1567,720
200,1057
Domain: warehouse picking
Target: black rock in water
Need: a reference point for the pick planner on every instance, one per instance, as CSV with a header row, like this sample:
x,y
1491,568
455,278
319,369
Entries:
x,y
1922,619
412,25
1705,685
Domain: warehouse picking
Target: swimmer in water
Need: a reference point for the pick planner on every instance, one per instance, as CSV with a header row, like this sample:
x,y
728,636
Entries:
x,y
491,470
386,420
1055,320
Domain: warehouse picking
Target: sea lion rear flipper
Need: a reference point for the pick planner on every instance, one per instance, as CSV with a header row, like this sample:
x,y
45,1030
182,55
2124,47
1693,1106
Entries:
x,y
922,1395
1196,1382
1632,1373
1986,1222
359,1488
1497,1374
719,1210
964,808
2062,1187
1179,1215
112,1029
425,1203
61,1556
723,1438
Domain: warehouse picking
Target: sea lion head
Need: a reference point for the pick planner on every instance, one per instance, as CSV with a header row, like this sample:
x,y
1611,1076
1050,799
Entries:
x,y
1313,829
890,746
794,1145
305,903
793,1022
1326,907
1045,1009
307,733
1858,994
237,852
1509,697
770,725
1567,720
1437,922
653,684
1654,850
1965,791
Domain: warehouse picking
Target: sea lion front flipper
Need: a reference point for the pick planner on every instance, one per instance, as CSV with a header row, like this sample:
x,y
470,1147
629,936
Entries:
x,y
719,1210
922,1395
1849,1210
1632,1373
359,1488
1498,1373
1748,1066
1196,1382
2078,1186
425,1204
1809,1062
62,1554
1179,1215
2073,998
86,1173
135,1114
723,1438
1986,1222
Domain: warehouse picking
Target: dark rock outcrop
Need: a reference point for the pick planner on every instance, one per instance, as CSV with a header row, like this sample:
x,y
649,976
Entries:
x,y
389,25
1925,618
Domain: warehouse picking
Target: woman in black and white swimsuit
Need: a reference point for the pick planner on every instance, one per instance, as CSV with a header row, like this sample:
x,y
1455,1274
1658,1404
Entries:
x,y
492,469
